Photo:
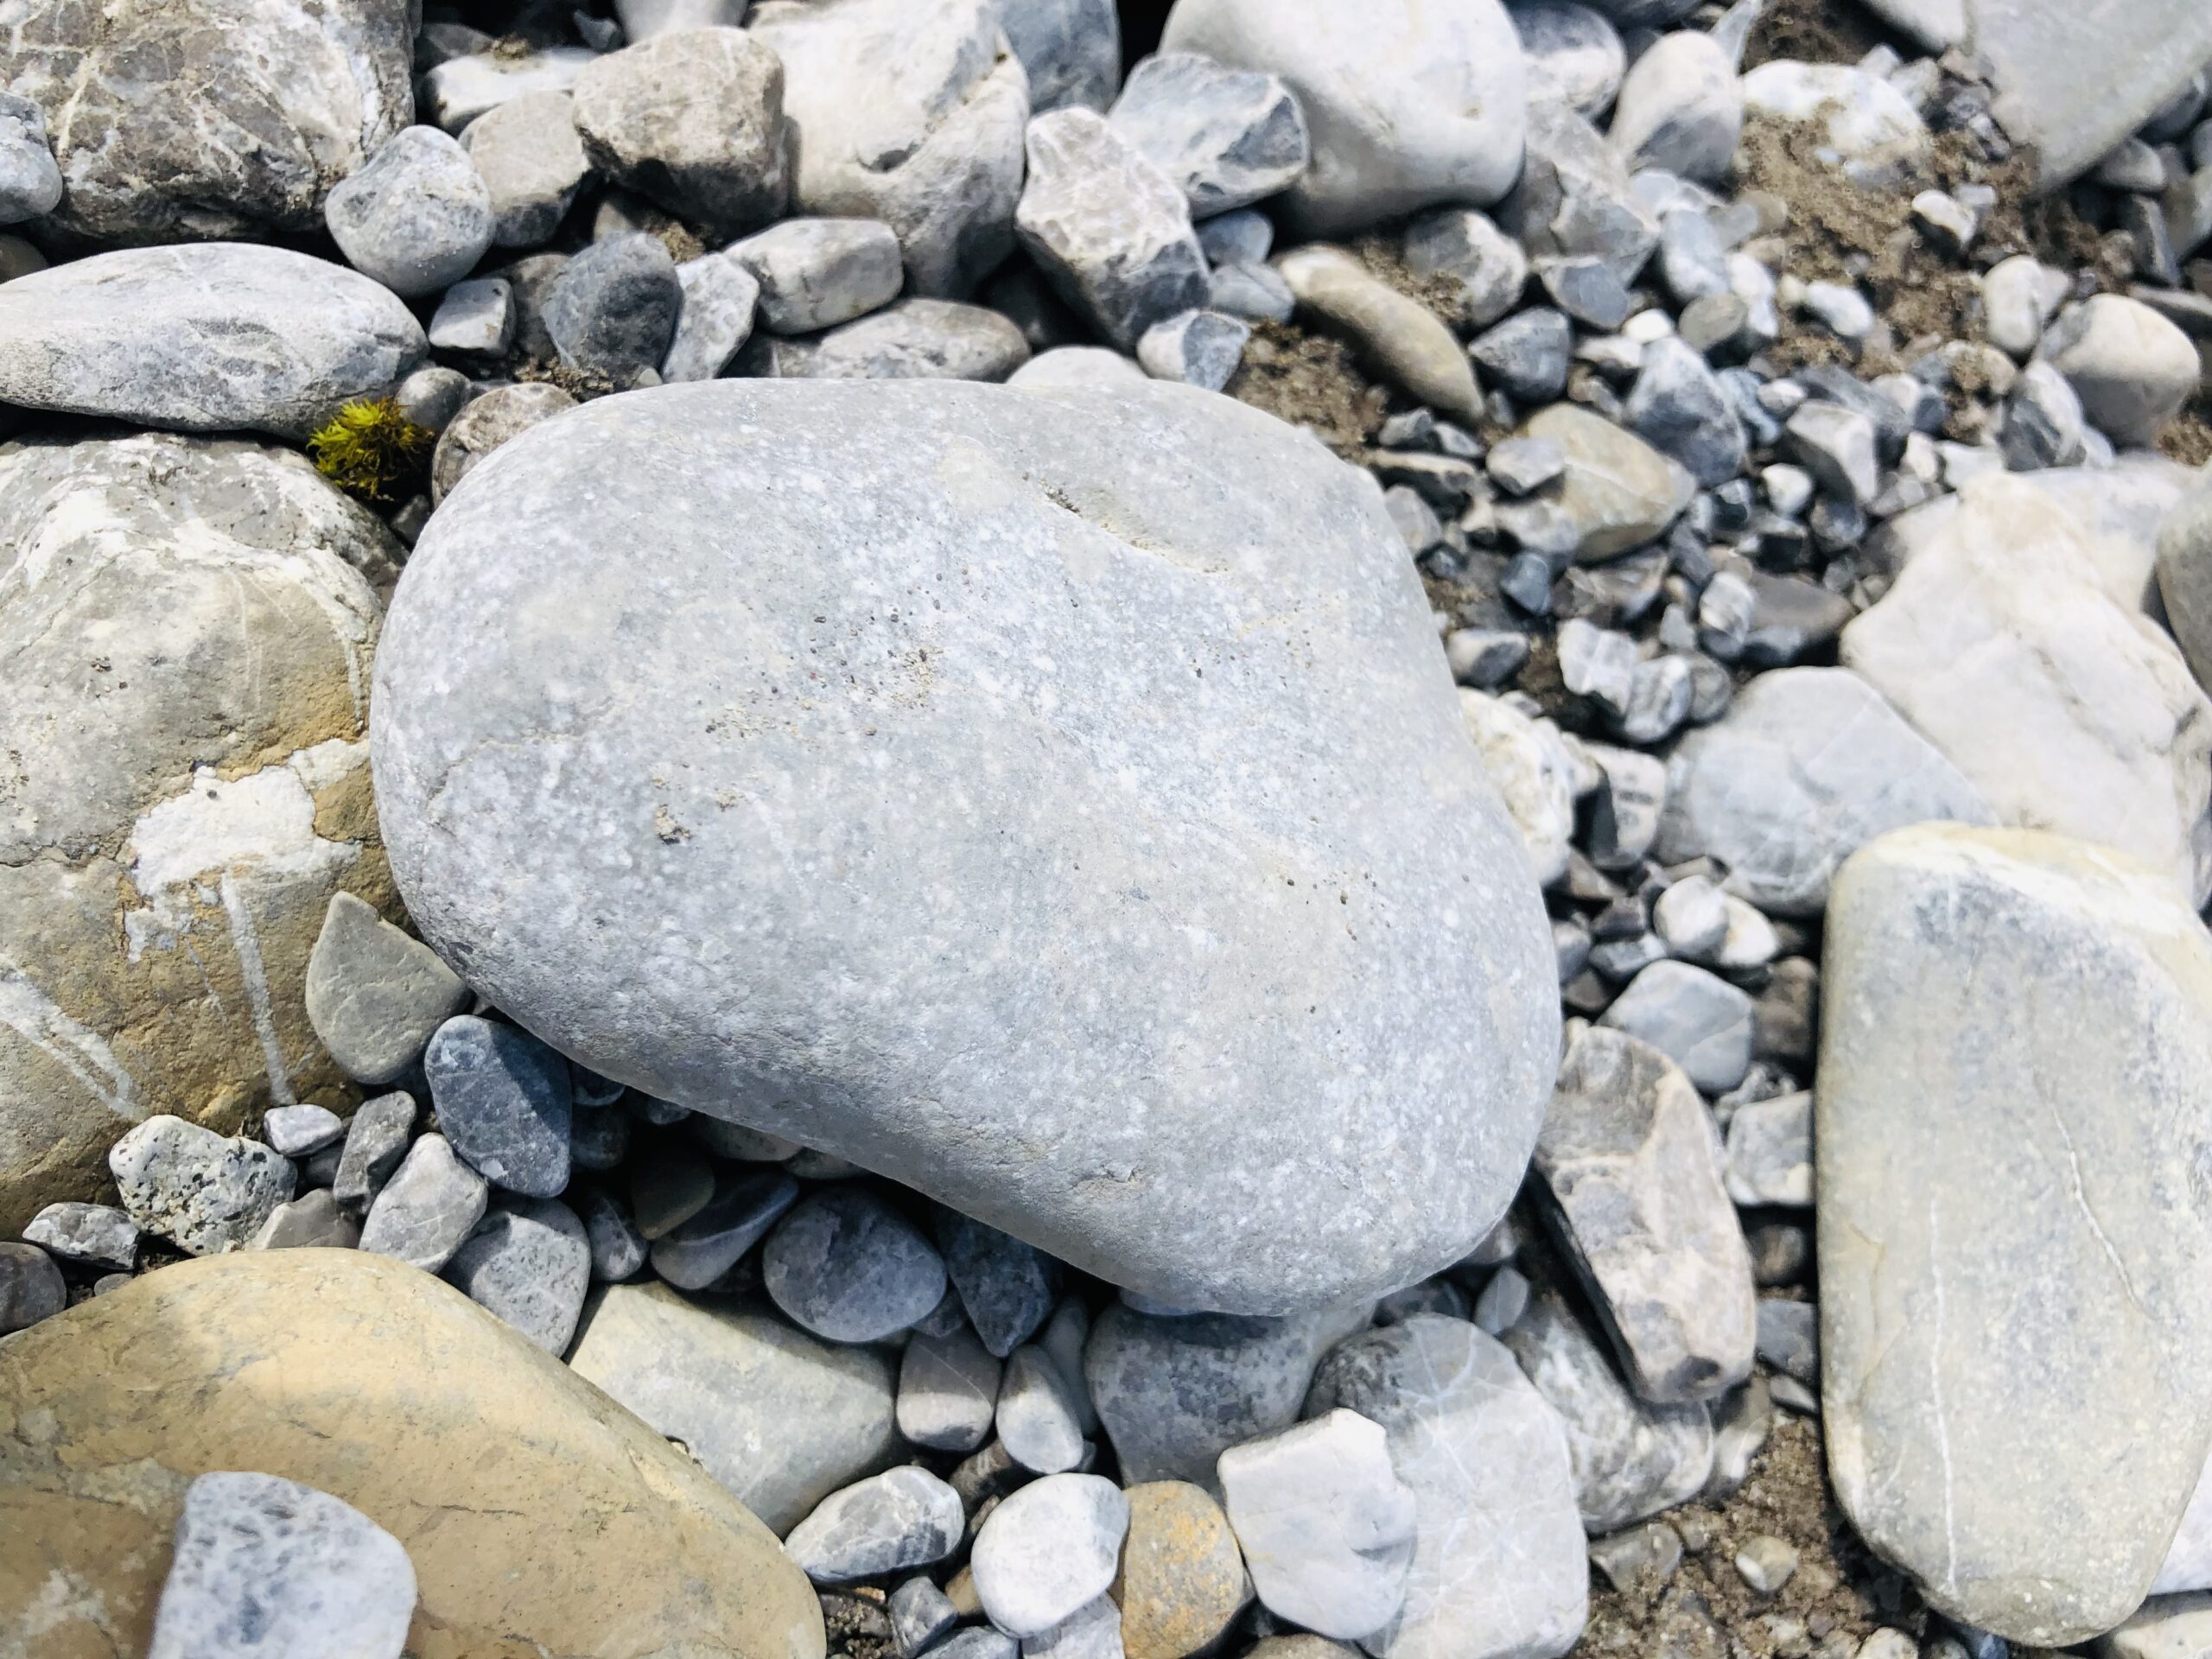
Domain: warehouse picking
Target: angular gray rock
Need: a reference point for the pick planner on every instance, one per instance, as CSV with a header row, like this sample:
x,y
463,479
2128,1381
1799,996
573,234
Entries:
x,y
779,1419
474,319
124,335
1807,767
1007,1287
1575,200
298,1131
1618,492
1699,1021
847,1267
530,1262
1224,138
1498,1569
1327,1529
203,1192
1410,106
417,218
2001,644
312,1221
197,119
817,273
1109,228
1771,1151
912,118
2016,1065
533,162
427,1209
1173,1393
694,120
502,1100
374,995
31,1287
1630,1180
1631,1459
376,1140
1680,109
263,1565
1679,406
911,340
1485,267
721,298
903,1518
1176,1202
1199,348
98,1235
1070,49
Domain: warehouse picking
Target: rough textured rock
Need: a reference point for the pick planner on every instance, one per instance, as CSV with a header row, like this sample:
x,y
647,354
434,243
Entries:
x,y
913,119
252,114
1807,767
203,1192
781,1419
417,218
171,604
1531,768
528,1262
1124,492
1617,493
913,340
1182,1576
533,162
426,1211
1072,50
1498,1569
817,273
1409,104
1630,1172
1225,138
2013,1090
693,119
125,335
540,1516
485,423
2068,711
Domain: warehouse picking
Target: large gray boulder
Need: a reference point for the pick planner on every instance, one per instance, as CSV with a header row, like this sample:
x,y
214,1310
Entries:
x,y
912,114
2015,1078
1807,767
186,632
177,120
1009,770
1410,105
209,338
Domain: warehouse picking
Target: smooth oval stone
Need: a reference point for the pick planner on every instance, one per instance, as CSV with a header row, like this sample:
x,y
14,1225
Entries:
x,y
1053,800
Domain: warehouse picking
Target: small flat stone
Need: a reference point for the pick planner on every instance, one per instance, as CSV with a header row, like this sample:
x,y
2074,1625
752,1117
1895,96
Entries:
x,y
719,301
920,1615
1617,493
948,1389
1697,1020
1789,1337
265,1566
98,1235
911,340
887,1523
529,1261
502,1099
376,1140
203,1192
1049,1550
1036,1416
427,1209
374,995
31,1287
312,1221
696,1252
817,273
847,1267
1771,1151
1199,348
298,1131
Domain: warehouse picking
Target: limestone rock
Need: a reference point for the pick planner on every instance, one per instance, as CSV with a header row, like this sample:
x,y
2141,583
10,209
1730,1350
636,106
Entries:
x,y
179,120
1072,50
1529,767
125,335
913,116
533,162
187,685
417,218
540,1516
2070,712
2131,368
203,1193
374,995
911,340
2015,1072
1125,492
1225,137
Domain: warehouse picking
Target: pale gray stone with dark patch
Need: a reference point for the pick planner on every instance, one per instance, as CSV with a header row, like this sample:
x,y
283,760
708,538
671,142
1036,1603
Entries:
x,y
1499,1568
194,119
902,1518
779,1419
720,300
465,89
1680,109
1225,137
1630,1173
376,1140
204,1193
2015,1078
298,1131
374,995
1072,50
708,1245
529,1261
502,1100
1176,1202
125,335
266,1566
98,1235
1575,200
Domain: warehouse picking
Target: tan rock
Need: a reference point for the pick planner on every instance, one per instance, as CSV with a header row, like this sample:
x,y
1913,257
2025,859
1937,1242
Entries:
x,y
1182,1576
543,1521
186,633
1403,339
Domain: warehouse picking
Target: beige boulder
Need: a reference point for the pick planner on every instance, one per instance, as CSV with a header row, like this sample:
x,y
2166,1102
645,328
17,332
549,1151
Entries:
x,y
543,1521
185,634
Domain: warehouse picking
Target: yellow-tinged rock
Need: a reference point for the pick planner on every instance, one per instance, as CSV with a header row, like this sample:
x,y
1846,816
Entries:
x,y
545,1522
1182,1576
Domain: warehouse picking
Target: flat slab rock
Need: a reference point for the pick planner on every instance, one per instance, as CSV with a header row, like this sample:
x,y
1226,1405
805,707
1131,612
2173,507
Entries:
x,y
1004,759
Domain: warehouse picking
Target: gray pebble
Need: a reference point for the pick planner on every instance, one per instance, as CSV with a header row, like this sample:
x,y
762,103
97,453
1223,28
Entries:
x,y
532,164
1502,1301
1036,1414
920,1613
694,1253
1766,1563
530,1262
1701,1022
416,218
904,1518
618,1248
612,309
1679,408
487,422
312,1221
30,183
1225,137
376,1140
1007,1287
1526,354
429,1207
374,995
1523,466
296,1131
948,1389
848,1268
816,273
1243,238
475,318
1573,53
1201,348
31,1286
598,1140
98,1235
1789,1337
502,1099
431,395
1255,292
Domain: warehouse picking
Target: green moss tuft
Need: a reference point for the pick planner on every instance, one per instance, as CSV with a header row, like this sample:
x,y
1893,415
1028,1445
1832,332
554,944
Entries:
x,y
372,451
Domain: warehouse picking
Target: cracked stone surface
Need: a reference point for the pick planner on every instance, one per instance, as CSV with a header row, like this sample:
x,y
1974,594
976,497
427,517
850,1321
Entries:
x,y
1280,625
187,628
526,1499
255,111
2015,1086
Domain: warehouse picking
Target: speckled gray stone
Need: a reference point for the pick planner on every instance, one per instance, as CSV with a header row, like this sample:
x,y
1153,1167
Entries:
x,y
487,422
846,1266
376,1140
374,995
903,1518
124,335
98,1235
530,1262
708,1245
1007,1287
203,1192
819,1009
502,1098
265,1566
779,1419
427,1209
